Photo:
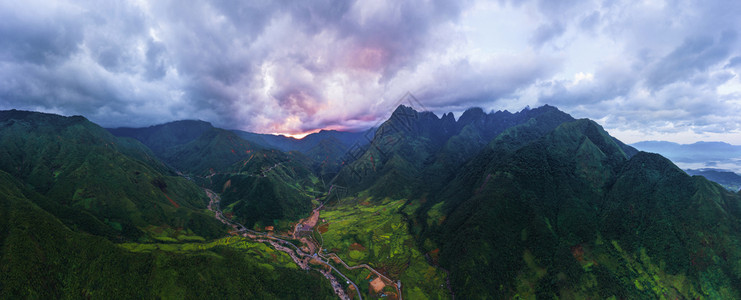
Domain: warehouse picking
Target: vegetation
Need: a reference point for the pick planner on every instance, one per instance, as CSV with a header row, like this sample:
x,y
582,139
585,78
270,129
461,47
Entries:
x,y
267,189
260,187
93,182
161,137
41,258
374,232
214,151
531,204
570,214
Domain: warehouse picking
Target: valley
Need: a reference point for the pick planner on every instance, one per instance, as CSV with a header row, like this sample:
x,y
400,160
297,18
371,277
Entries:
x,y
309,254
370,150
532,204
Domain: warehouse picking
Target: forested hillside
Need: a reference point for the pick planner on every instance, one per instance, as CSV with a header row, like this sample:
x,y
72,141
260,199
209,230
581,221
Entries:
x,y
70,193
532,204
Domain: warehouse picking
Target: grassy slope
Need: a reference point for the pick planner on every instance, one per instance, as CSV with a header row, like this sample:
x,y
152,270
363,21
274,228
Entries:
x,y
375,232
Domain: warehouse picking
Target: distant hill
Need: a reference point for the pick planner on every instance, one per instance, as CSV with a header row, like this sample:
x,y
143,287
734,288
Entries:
x,y
285,143
165,136
728,179
197,147
698,155
194,147
326,149
260,186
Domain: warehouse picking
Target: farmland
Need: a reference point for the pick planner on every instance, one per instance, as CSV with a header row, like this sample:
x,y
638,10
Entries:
x,y
375,233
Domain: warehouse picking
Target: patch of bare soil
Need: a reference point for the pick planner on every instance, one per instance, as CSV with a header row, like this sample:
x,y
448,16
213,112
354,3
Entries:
x,y
356,246
377,285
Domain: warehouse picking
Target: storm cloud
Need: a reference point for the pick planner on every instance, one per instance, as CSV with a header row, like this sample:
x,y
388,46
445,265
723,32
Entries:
x,y
667,69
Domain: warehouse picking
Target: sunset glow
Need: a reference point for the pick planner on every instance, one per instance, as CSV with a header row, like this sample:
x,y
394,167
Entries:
x,y
646,68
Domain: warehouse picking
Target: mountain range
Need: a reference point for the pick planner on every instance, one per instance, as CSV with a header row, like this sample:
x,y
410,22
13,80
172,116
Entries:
x,y
531,204
717,161
76,203
727,179
717,155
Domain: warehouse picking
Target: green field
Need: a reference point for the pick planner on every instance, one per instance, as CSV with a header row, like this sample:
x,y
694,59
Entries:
x,y
373,232
269,258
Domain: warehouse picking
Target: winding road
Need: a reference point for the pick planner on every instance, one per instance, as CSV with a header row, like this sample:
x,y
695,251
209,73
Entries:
x,y
299,257
309,222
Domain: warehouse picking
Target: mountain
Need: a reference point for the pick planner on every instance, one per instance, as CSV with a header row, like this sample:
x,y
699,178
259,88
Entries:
x,y
326,157
270,189
259,186
164,136
71,193
193,147
415,145
326,148
97,183
305,144
697,155
728,179
547,206
213,151
531,204
41,257
533,200
198,148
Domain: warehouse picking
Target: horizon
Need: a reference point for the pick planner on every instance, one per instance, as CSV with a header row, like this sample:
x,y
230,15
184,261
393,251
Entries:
x,y
647,70
303,135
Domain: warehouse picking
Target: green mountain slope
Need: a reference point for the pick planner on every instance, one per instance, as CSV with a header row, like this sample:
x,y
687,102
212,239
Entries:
x,y
267,188
260,186
88,180
42,258
571,214
417,152
193,147
165,136
213,151
728,179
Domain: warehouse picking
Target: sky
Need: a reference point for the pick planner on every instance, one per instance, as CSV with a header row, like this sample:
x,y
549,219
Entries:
x,y
644,70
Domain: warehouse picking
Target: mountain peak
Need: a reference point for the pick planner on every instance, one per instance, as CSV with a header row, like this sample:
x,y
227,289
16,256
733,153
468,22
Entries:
x,y
543,108
448,118
403,109
471,115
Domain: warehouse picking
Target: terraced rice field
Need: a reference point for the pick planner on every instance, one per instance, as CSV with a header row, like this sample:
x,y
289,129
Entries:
x,y
374,232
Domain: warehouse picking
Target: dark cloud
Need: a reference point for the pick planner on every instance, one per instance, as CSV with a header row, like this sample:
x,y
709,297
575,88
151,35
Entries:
x,y
290,66
547,32
156,60
38,39
610,80
695,54
465,84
